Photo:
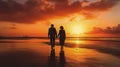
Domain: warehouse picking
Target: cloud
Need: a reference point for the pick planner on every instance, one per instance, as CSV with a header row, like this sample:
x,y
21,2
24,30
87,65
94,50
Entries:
x,y
11,27
107,30
40,10
101,5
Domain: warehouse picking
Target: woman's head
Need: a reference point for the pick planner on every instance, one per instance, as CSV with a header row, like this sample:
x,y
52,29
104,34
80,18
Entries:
x,y
61,27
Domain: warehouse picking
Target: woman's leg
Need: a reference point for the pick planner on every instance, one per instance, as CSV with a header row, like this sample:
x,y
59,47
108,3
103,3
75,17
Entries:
x,y
61,47
62,44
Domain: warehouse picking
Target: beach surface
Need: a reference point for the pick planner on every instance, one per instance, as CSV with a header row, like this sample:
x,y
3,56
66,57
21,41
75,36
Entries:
x,y
76,53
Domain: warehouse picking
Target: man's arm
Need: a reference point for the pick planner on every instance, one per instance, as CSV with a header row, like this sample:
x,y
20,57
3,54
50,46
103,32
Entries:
x,y
49,32
55,33
65,34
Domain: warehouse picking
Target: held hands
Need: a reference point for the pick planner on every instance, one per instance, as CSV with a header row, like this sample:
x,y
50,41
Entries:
x,y
56,36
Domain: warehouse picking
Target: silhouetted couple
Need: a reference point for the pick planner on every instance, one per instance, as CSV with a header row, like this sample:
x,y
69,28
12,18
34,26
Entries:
x,y
52,34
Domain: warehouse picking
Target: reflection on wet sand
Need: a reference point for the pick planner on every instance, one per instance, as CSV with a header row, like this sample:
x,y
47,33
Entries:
x,y
85,54
62,59
52,59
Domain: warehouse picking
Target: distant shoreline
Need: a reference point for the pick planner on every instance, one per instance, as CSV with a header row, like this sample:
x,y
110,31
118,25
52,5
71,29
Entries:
x,y
47,37
112,39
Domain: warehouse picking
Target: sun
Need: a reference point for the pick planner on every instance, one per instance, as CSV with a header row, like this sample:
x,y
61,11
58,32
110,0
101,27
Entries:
x,y
77,29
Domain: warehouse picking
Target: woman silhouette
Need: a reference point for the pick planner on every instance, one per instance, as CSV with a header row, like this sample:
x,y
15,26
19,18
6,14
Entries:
x,y
62,36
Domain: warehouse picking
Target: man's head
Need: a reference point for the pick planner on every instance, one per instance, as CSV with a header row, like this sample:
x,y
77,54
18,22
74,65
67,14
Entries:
x,y
52,25
61,27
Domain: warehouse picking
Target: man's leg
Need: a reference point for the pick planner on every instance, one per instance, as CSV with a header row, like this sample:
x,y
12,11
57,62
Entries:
x,y
50,41
53,43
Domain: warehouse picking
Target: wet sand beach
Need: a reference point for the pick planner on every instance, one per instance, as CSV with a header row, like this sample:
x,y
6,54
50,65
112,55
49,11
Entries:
x,y
38,53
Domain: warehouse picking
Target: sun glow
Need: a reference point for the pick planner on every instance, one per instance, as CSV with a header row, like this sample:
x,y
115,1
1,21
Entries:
x,y
77,29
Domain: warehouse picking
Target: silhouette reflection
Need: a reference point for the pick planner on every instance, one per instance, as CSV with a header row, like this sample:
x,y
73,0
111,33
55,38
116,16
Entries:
x,y
52,59
62,60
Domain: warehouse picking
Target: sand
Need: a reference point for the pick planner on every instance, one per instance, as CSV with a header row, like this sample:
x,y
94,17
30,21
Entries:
x,y
39,54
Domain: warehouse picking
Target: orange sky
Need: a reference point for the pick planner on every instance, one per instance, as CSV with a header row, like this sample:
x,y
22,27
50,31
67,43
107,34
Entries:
x,y
76,22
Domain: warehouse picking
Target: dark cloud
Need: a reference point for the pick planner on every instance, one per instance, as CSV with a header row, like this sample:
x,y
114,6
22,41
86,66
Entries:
x,y
38,10
107,30
101,5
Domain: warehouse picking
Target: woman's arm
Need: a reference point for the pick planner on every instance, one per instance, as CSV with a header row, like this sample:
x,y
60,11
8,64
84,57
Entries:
x,y
59,33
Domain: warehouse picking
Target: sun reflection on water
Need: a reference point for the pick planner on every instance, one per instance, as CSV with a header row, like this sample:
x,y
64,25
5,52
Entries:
x,y
78,43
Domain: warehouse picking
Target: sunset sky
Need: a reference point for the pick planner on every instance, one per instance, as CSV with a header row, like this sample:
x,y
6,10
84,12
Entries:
x,y
79,17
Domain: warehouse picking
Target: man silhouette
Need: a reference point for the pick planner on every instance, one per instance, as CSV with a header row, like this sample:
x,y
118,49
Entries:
x,y
52,34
